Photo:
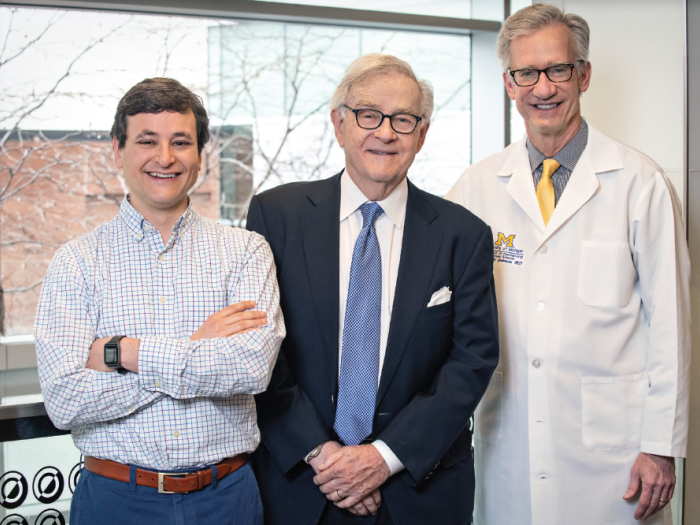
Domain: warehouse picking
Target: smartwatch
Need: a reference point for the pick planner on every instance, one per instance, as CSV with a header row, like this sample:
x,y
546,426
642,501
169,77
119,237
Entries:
x,y
112,354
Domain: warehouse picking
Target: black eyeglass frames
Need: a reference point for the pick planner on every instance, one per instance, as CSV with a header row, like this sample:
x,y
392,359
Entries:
x,y
404,123
527,76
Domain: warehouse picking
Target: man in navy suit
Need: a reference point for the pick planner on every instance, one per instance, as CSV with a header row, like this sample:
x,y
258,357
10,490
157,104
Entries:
x,y
392,334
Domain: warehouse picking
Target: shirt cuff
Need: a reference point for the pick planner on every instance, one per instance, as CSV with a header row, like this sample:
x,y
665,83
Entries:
x,y
306,458
394,463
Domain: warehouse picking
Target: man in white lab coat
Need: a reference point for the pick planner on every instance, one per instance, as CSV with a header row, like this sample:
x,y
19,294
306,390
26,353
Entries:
x,y
589,404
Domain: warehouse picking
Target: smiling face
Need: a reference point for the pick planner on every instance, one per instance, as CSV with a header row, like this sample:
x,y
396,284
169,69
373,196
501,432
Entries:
x,y
160,161
551,110
377,160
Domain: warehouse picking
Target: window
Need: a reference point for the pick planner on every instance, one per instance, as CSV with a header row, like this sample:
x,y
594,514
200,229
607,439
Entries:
x,y
266,86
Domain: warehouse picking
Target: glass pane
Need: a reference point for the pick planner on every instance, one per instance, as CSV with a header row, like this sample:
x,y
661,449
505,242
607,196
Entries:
x,y
517,5
517,124
266,85
37,478
19,379
279,92
449,8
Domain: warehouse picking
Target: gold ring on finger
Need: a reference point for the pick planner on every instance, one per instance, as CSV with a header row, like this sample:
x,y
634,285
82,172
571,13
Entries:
x,y
338,493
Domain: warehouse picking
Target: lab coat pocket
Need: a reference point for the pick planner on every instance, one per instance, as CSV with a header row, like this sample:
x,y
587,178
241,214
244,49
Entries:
x,y
606,274
488,418
612,411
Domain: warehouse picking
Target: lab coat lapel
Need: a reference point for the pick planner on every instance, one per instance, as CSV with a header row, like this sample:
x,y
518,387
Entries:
x,y
321,238
419,253
601,155
520,187
581,187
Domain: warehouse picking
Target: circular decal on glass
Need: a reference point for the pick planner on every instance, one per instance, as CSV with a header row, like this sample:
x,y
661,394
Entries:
x,y
48,485
50,517
73,477
14,519
13,490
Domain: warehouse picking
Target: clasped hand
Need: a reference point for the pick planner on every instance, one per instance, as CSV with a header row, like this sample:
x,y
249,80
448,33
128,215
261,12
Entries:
x,y
350,477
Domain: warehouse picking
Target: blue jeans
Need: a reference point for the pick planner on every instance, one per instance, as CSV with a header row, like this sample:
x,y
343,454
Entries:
x,y
234,500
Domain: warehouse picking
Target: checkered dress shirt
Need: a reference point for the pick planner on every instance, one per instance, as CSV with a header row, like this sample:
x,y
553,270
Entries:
x,y
191,404
567,157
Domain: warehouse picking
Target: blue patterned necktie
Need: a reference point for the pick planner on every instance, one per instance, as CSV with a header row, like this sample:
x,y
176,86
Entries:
x,y
359,365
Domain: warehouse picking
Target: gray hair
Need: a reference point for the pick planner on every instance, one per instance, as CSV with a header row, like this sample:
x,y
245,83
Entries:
x,y
375,64
536,17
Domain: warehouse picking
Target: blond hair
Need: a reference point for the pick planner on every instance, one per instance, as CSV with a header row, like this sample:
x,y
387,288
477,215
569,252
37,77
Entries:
x,y
375,64
538,16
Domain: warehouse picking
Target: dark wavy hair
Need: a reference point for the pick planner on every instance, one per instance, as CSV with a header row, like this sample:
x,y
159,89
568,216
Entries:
x,y
155,95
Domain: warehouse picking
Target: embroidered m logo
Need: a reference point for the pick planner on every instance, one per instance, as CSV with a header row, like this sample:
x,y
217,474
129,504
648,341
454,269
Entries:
x,y
502,239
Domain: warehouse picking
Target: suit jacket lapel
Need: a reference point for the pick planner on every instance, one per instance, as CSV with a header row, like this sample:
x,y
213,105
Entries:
x,y
419,252
321,239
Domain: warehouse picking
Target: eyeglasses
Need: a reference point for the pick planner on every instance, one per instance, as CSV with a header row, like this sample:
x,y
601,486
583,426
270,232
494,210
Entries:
x,y
526,77
371,119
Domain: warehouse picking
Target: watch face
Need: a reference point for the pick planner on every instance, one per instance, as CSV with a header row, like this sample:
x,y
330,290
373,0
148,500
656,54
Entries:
x,y
111,355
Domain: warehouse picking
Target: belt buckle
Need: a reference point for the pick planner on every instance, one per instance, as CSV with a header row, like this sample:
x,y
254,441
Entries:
x,y
162,490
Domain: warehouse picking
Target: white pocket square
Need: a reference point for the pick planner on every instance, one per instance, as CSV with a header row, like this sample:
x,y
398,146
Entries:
x,y
441,296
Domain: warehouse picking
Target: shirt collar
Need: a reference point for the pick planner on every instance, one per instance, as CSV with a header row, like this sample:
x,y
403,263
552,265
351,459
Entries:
x,y
568,156
351,198
135,222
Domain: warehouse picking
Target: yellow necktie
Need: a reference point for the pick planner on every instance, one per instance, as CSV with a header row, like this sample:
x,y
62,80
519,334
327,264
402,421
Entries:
x,y
545,189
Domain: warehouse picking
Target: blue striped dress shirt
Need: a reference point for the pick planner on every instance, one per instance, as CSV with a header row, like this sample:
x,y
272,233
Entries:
x,y
191,404
567,157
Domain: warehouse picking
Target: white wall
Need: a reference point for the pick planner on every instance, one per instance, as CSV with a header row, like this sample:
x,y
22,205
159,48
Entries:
x,y
636,93
488,96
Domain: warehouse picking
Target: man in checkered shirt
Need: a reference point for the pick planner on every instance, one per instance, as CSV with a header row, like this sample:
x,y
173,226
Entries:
x,y
148,348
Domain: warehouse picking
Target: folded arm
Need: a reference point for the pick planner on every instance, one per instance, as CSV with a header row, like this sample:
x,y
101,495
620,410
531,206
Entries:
x,y
65,329
242,363
77,392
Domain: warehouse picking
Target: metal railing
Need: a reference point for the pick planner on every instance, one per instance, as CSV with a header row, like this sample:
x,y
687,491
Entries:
x,y
19,422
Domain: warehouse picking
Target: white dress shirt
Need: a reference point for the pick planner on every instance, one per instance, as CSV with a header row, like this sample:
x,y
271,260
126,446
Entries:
x,y
389,228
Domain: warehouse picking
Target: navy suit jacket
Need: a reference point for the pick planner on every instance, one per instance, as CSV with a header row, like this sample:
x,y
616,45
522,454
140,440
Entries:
x,y
438,361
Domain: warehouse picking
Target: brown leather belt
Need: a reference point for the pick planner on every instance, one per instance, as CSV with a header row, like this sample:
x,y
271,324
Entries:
x,y
165,482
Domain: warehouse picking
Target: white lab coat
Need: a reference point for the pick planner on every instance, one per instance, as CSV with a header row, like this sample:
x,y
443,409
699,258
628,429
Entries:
x,y
594,332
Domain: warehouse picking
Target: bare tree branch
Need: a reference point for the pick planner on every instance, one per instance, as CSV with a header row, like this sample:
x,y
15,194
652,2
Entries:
x,y
23,289
29,44
42,100
40,243
450,98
